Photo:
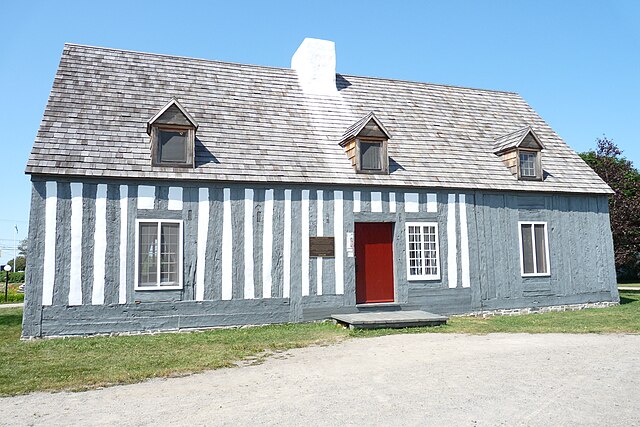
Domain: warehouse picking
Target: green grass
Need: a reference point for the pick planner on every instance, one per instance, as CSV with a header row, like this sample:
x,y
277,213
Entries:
x,y
12,294
81,363
624,318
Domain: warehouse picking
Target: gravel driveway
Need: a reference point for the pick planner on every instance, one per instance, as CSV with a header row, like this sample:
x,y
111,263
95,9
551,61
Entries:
x,y
425,379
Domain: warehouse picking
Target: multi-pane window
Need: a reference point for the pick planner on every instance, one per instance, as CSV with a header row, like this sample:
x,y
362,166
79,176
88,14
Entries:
x,y
422,251
528,164
534,252
159,254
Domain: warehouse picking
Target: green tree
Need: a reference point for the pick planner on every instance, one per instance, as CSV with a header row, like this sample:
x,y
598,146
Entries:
x,y
624,205
21,263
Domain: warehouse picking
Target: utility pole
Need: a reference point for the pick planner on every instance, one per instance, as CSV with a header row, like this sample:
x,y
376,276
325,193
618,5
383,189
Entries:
x,y
15,248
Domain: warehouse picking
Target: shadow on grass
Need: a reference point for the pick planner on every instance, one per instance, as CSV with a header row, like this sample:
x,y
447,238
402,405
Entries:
x,y
10,317
624,300
628,297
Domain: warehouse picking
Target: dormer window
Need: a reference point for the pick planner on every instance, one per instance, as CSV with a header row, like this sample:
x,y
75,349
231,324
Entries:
x,y
173,146
520,151
370,155
528,164
365,143
172,132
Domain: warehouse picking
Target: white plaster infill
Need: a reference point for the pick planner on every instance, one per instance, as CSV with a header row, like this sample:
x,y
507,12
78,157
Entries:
x,y
338,231
174,199
75,269
50,242
305,242
249,285
124,234
227,247
146,196
411,202
203,235
286,247
100,245
376,201
452,247
319,232
267,245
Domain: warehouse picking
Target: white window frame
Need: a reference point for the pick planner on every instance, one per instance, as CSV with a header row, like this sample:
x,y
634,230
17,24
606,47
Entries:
x,y
439,264
159,222
537,165
533,240
534,160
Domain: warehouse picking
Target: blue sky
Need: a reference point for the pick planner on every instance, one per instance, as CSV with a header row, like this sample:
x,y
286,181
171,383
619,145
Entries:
x,y
577,63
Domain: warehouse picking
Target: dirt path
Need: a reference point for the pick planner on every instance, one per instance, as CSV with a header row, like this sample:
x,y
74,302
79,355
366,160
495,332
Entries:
x,y
426,379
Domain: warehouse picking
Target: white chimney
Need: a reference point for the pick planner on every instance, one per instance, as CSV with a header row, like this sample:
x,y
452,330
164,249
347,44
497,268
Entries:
x,y
315,62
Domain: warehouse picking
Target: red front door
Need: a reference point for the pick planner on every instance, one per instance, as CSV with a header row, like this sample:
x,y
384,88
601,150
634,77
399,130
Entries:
x,y
374,262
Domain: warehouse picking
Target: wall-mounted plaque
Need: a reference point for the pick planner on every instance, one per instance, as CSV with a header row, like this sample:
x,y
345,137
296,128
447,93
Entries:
x,y
350,245
322,246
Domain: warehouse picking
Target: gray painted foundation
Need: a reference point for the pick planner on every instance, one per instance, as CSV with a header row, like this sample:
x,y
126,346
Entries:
x,y
581,258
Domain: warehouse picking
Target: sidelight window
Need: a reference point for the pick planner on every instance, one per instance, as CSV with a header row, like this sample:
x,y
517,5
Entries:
x,y
422,251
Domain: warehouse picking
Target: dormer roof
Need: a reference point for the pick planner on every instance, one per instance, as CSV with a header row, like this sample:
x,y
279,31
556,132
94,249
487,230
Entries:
x,y
368,124
522,138
172,113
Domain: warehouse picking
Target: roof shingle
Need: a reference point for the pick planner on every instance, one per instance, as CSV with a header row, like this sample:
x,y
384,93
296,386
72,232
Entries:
x,y
257,125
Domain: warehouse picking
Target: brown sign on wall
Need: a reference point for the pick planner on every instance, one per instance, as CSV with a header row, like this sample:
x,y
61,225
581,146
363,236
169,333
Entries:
x,y
321,246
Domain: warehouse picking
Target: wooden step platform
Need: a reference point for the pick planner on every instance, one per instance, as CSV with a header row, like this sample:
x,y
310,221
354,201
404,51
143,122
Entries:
x,y
390,319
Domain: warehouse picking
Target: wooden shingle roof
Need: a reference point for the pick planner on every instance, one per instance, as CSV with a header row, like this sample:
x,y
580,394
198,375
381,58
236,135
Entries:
x,y
173,103
353,130
257,125
514,139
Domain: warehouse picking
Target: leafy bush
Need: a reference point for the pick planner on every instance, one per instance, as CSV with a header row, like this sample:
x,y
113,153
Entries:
x,y
12,296
21,263
14,277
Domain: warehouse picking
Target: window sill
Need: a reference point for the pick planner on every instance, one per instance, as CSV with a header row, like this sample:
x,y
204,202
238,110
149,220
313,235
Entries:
x,y
423,278
157,288
173,165
536,274
529,178
373,172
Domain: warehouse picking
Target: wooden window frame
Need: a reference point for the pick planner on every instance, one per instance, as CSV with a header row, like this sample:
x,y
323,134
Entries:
x,y
159,287
423,277
533,248
538,165
155,146
384,160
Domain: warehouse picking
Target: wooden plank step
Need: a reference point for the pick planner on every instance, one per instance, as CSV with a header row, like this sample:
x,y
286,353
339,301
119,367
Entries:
x,y
390,319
